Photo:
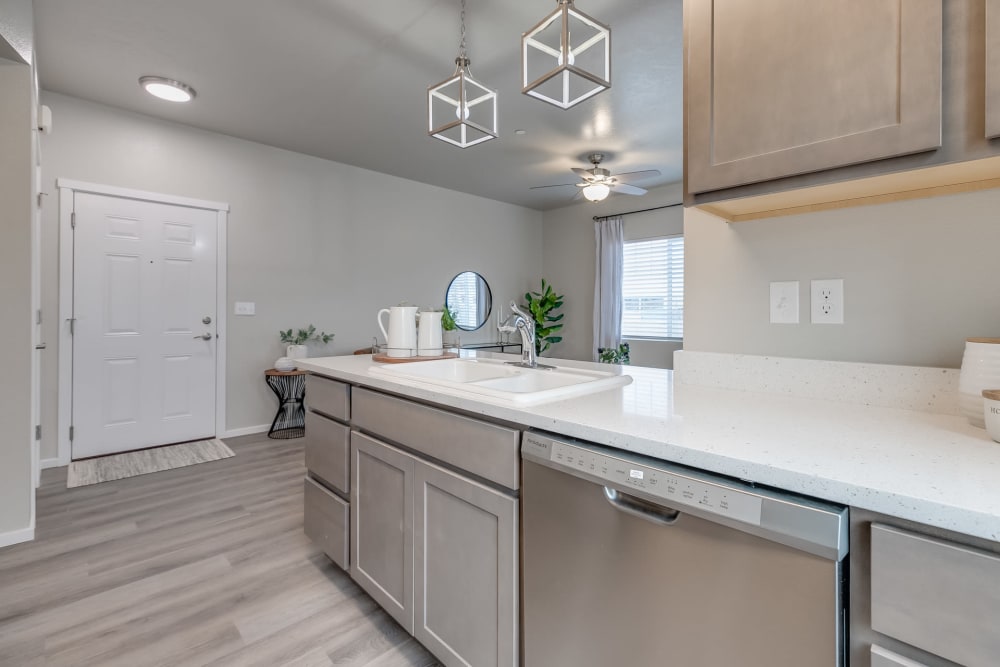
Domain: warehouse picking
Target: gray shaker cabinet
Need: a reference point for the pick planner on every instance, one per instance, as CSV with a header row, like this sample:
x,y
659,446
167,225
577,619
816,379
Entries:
x,y
993,68
382,525
465,569
777,88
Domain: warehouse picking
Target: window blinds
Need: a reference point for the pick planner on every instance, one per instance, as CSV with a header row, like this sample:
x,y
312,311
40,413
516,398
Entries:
x,y
653,288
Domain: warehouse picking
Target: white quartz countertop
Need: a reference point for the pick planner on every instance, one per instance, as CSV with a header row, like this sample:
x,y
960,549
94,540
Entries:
x,y
931,468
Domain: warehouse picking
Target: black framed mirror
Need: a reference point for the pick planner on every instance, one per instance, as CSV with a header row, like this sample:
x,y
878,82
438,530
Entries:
x,y
469,296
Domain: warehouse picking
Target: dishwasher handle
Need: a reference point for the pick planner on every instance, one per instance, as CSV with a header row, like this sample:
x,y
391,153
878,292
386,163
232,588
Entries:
x,y
657,514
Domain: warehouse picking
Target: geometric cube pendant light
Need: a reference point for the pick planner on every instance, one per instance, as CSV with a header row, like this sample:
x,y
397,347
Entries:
x,y
566,58
460,110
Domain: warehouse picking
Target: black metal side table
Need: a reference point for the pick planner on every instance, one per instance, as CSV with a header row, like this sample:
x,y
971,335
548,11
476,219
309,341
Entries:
x,y
290,388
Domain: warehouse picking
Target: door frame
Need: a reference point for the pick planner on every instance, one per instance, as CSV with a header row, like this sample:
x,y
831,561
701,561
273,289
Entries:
x,y
67,188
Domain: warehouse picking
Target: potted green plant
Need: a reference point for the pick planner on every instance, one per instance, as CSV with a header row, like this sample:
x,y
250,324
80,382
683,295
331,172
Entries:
x,y
542,305
297,341
448,326
611,355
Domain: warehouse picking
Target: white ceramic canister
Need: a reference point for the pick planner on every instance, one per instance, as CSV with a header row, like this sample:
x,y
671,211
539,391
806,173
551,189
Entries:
x,y
980,370
991,412
429,334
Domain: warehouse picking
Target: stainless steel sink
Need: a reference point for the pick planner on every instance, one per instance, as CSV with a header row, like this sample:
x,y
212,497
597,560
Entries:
x,y
497,379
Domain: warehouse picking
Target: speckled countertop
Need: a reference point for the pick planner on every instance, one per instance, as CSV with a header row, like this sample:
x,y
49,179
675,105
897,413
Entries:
x,y
845,441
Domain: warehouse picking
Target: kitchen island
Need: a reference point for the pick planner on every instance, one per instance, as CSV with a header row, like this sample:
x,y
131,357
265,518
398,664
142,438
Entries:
x,y
931,468
429,479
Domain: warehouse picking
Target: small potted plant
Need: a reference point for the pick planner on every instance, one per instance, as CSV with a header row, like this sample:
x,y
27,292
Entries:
x,y
610,355
448,326
297,341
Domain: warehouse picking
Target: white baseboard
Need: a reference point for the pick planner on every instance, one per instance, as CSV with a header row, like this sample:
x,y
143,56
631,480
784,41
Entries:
x,y
52,463
18,536
246,430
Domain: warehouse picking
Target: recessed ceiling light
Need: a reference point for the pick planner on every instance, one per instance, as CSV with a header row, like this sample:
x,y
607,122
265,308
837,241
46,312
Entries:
x,y
167,89
520,131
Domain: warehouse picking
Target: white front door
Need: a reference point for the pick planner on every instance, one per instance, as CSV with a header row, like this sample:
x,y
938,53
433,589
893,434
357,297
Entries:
x,y
144,309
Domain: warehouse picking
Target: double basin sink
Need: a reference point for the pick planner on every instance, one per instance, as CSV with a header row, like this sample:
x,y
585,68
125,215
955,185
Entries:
x,y
499,380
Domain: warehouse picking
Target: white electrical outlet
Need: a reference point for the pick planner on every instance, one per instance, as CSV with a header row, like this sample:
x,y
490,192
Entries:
x,y
245,308
785,302
828,301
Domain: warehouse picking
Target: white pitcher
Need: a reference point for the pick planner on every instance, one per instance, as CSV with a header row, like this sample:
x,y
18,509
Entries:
x,y
429,335
401,338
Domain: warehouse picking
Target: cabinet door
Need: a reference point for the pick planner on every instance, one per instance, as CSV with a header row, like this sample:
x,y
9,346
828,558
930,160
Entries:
x,y
466,570
776,88
993,68
382,525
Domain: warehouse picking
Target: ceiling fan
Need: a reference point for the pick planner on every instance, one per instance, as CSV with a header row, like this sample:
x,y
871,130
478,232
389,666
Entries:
x,y
598,182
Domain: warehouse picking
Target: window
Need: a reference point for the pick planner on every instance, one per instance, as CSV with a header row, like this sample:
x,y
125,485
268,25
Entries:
x,y
653,288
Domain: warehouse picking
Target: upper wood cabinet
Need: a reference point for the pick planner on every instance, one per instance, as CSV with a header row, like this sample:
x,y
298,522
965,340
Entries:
x,y
777,88
993,68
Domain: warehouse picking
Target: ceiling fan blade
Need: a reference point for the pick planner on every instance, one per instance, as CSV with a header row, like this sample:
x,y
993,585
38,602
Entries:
x,y
554,185
627,189
630,176
585,174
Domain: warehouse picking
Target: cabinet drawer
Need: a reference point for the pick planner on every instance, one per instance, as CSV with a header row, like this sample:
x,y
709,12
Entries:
x,y
941,597
327,522
328,451
885,658
328,396
483,449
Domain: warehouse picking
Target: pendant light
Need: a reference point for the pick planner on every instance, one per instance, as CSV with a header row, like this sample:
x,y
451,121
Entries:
x,y
460,110
566,58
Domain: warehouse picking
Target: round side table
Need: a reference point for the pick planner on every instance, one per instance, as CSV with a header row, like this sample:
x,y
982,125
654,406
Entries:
x,y
290,388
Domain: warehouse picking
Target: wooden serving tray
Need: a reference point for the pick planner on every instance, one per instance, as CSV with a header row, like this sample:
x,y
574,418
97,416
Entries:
x,y
386,359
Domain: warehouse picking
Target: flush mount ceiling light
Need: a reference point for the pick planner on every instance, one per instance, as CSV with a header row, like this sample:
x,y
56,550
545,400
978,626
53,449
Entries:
x,y
460,110
596,192
167,89
566,58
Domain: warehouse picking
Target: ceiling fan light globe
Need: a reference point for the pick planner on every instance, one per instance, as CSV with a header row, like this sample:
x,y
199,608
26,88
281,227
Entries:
x,y
596,192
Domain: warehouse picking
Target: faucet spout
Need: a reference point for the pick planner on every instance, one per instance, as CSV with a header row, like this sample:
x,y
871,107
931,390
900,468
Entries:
x,y
524,324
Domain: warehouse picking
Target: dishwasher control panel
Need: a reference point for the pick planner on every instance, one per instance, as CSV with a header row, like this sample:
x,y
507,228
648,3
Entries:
x,y
673,486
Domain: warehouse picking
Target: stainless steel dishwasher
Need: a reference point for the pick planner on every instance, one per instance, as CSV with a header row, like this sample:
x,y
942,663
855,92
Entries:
x,y
632,561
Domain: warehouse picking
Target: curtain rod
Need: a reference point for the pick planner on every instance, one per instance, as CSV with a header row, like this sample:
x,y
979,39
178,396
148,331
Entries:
x,y
642,210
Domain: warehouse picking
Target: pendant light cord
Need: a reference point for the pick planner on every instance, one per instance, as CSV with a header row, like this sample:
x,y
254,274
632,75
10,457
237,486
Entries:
x,y
461,46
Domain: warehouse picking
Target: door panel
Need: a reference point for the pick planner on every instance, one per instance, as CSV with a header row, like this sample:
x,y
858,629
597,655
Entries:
x,y
993,68
144,278
466,576
382,525
777,88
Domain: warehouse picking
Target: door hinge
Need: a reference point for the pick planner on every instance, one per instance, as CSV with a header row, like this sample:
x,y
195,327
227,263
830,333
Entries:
x,y
72,220
38,431
72,325
71,431
38,316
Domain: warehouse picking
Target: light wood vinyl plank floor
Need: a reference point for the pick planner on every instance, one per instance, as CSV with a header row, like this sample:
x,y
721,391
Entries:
x,y
205,565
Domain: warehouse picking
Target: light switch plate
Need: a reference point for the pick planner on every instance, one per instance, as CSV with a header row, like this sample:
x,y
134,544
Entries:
x,y
245,308
827,301
785,302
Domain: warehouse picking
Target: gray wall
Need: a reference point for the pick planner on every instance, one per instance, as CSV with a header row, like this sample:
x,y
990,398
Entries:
x,y
15,296
920,277
569,265
310,241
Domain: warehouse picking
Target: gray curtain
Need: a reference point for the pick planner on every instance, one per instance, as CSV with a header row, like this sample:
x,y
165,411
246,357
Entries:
x,y
609,234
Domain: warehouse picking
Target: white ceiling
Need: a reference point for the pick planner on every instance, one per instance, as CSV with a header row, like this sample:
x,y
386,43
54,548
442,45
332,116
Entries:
x,y
346,80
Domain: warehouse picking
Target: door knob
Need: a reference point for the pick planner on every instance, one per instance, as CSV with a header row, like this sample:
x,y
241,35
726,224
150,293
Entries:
x,y
205,336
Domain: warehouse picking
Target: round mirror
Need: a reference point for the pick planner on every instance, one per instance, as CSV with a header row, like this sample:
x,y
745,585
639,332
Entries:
x,y
469,297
